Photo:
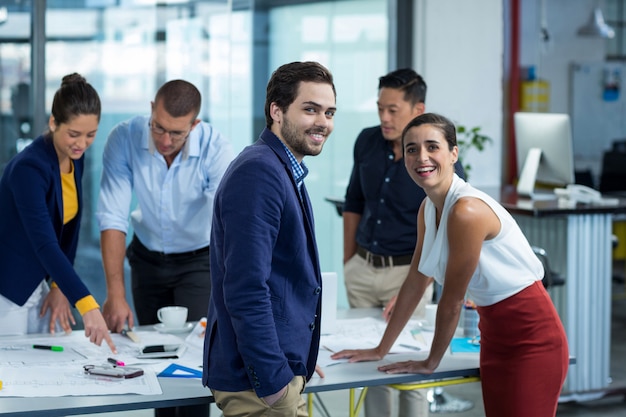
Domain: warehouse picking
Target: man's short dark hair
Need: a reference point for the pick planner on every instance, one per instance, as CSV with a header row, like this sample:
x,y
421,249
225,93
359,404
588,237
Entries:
x,y
282,87
407,80
179,98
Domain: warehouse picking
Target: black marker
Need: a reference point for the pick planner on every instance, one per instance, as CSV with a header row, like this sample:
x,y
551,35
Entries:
x,y
115,362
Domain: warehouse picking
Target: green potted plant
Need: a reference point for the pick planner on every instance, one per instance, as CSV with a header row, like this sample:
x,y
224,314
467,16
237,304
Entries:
x,y
468,138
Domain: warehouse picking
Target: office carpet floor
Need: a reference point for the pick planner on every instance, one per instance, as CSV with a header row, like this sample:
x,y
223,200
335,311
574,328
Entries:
x,y
609,406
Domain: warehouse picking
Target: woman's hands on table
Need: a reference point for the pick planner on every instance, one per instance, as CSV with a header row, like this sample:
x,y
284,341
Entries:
x,y
407,367
358,355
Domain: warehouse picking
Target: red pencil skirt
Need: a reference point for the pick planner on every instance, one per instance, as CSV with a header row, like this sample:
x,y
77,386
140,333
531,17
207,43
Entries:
x,y
523,355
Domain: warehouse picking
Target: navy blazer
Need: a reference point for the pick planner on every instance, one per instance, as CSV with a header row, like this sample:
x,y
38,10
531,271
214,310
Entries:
x,y
34,243
264,314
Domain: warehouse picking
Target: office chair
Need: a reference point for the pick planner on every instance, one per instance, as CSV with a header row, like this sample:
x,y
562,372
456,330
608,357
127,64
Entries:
x,y
613,175
551,278
584,177
337,202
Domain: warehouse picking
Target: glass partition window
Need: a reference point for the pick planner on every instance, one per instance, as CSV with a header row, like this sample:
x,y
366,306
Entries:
x,y
228,49
350,38
15,106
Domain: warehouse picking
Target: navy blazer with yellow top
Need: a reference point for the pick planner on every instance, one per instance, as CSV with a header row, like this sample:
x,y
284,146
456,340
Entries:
x,y
264,314
34,243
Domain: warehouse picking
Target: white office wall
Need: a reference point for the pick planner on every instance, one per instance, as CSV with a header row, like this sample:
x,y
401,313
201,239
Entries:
x,y
562,19
459,50
552,58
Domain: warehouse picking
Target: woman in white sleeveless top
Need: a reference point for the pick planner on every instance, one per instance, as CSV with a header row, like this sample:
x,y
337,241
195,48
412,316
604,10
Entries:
x,y
471,245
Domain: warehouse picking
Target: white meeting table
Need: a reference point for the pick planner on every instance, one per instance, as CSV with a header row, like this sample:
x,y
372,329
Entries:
x,y
454,368
187,391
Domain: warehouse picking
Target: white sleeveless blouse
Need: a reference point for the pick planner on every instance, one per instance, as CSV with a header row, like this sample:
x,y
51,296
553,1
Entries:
x,y
507,263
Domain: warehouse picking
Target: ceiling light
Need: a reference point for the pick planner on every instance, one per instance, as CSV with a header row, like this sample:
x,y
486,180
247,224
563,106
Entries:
x,y
4,14
596,26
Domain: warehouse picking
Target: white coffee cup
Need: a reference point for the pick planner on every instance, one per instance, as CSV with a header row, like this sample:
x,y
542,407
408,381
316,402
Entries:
x,y
173,317
431,314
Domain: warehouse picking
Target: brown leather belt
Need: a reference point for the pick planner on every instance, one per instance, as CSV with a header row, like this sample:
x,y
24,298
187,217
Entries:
x,y
381,261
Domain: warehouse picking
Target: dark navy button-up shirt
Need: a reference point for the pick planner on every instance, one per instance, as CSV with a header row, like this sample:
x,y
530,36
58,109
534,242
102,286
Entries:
x,y
381,190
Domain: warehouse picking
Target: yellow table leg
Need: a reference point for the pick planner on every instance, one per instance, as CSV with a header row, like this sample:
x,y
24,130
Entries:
x,y
309,404
355,410
433,384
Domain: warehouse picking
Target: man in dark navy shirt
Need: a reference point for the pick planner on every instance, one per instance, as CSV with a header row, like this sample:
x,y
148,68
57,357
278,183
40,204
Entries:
x,y
380,219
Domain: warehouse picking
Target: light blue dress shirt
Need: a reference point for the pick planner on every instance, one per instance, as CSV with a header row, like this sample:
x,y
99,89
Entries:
x,y
175,205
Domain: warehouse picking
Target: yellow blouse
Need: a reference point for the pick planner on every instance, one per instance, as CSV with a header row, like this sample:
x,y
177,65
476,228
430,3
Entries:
x,y
70,210
70,195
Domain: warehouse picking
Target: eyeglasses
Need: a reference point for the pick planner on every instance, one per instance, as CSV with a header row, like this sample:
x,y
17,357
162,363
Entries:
x,y
175,135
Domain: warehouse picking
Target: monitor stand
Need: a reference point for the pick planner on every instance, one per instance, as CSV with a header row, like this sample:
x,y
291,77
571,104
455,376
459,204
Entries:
x,y
528,176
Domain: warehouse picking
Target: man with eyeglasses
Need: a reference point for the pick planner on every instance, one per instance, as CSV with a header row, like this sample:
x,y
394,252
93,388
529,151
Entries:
x,y
171,163
380,220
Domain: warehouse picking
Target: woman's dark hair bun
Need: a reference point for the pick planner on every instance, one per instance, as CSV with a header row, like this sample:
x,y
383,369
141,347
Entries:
x,y
75,97
73,78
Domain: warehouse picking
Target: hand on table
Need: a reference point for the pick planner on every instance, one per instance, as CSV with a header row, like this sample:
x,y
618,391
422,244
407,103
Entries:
x,y
358,355
406,367
117,312
96,329
60,310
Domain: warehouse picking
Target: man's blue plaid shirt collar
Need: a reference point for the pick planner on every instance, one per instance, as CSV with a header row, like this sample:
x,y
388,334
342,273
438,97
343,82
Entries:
x,y
299,170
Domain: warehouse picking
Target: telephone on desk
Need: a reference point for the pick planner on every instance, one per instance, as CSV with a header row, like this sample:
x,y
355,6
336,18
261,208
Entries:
x,y
577,193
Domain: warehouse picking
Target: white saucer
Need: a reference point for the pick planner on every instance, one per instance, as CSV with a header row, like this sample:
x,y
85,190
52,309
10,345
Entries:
x,y
161,328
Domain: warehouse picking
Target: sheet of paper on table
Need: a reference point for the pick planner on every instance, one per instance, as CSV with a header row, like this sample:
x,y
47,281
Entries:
x,y
28,372
365,333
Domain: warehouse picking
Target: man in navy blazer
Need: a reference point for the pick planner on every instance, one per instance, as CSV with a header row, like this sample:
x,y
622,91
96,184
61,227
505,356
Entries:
x,y
263,323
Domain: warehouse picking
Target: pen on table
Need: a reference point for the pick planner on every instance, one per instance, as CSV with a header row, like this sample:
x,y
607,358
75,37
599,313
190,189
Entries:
x,y
131,335
47,347
328,349
115,362
78,353
409,346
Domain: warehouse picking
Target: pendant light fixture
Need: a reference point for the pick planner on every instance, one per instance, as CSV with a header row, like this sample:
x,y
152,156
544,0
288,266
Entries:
x,y
596,26
4,14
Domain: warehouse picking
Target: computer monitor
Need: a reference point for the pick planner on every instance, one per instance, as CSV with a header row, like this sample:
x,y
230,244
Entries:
x,y
544,151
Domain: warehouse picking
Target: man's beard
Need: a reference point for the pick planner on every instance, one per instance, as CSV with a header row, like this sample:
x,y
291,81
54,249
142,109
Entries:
x,y
298,141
